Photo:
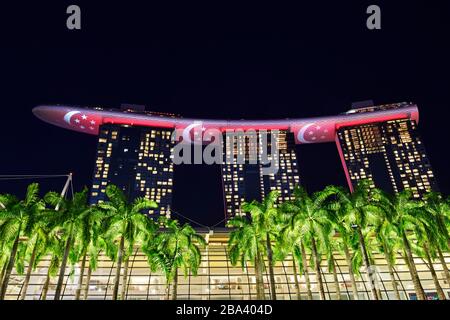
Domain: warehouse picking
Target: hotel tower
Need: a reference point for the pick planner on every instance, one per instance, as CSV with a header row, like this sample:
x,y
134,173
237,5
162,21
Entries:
x,y
379,143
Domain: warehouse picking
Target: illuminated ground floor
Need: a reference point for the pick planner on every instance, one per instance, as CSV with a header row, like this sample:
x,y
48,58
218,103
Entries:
x,y
217,279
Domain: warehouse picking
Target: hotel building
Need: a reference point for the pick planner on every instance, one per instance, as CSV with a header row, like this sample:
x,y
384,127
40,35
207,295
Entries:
x,y
244,182
380,143
390,154
137,160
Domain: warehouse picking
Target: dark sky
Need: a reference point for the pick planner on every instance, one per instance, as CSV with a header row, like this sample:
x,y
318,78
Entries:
x,y
222,62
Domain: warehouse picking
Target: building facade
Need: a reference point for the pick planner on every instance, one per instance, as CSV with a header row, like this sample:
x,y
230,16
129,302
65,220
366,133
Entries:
x,y
390,154
218,279
244,182
137,160
380,143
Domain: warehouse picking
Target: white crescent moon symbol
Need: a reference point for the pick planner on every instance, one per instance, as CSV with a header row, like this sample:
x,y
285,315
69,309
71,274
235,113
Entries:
x,y
187,131
301,133
69,115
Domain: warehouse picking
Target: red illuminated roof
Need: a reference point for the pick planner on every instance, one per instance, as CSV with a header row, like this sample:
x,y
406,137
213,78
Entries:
x,y
306,130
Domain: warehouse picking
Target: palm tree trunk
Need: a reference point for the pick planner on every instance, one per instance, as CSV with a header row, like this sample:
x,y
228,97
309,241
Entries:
x,y
317,267
391,271
167,295
259,278
118,268
80,279
88,280
380,296
350,272
23,294
175,285
366,262
439,290
2,274
412,269
62,269
271,274
10,266
405,258
297,286
262,268
335,278
46,285
444,266
258,288
306,271
125,280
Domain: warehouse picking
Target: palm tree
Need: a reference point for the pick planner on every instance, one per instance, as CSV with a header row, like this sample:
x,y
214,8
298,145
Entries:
x,y
172,248
389,242
95,247
54,248
291,241
428,237
125,223
311,217
5,247
281,250
359,213
247,244
405,215
69,220
439,209
346,235
285,245
128,251
38,233
332,264
304,266
264,217
16,216
4,257
5,252
86,241
97,243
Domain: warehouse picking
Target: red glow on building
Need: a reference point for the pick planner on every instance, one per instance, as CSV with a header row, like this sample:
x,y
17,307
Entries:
x,y
305,130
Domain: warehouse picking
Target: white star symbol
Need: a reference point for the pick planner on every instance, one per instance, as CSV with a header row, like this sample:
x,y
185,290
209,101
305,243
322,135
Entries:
x,y
92,128
313,138
82,127
317,127
77,120
84,117
92,122
311,133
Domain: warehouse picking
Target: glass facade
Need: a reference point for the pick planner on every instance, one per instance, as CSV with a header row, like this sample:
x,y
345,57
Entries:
x,y
137,160
218,279
390,154
246,182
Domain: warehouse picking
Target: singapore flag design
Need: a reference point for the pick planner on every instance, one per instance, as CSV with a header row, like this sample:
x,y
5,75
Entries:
x,y
311,130
314,133
82,121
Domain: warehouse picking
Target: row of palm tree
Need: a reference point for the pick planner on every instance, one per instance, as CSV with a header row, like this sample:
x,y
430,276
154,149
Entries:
x,y
311,228
72,233
334,221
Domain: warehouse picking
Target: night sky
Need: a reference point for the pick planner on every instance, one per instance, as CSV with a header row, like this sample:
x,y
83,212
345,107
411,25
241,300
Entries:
x,y
222,62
